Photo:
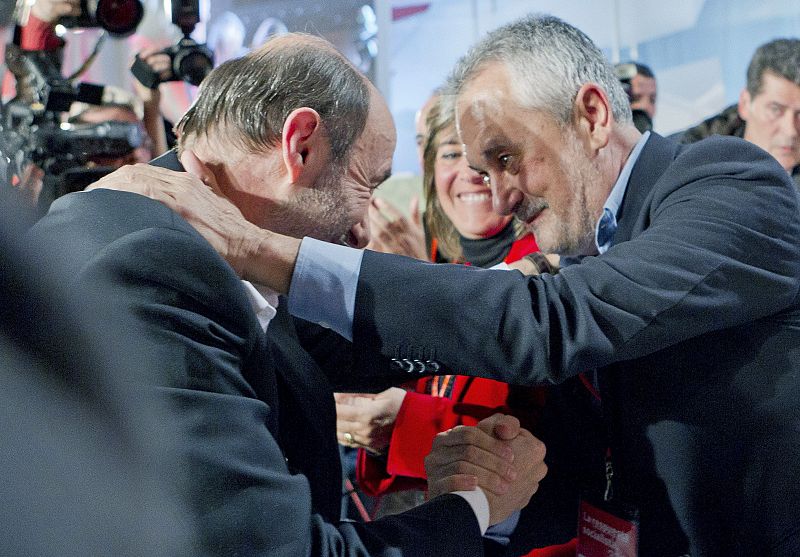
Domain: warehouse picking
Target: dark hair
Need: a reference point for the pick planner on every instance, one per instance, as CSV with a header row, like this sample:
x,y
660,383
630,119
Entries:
x,y
643,70
251,97
780,57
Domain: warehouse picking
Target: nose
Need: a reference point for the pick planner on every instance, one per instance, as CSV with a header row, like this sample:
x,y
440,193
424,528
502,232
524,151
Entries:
x,y
790,124
468,174
505,198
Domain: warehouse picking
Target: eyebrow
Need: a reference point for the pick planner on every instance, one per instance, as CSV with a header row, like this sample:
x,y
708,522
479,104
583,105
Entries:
x,y
491,150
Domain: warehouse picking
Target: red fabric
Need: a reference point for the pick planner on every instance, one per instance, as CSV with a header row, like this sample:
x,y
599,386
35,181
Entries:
x,y
564,550
423,416
521,248
39,35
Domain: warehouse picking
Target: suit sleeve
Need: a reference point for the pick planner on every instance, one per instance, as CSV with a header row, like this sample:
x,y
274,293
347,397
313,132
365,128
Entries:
x,y
719,246
206,343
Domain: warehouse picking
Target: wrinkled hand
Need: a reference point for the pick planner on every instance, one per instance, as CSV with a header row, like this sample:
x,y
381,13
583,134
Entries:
x,y
506,461
195,196
51,10
536,264
392,232
367,420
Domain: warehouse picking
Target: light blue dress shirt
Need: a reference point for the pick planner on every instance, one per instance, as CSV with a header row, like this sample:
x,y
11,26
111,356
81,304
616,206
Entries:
x,y
607,225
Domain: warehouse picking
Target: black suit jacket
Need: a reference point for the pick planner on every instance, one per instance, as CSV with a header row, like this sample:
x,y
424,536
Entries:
x,y
693,320
251,412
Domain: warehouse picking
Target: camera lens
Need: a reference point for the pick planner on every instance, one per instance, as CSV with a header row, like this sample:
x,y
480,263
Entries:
x,y
119,17
194,65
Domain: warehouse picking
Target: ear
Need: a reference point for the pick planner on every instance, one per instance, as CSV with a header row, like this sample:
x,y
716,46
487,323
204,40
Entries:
x,y
744,104
593,117
303,145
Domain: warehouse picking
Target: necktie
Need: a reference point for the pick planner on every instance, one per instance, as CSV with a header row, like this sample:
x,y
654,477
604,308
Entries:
x,y
606,229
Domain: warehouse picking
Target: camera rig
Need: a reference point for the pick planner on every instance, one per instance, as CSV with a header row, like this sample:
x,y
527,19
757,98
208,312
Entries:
x,y
32,126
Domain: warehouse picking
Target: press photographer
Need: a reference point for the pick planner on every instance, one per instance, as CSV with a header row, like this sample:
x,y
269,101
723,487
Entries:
x,y
71,154
74,133
186,61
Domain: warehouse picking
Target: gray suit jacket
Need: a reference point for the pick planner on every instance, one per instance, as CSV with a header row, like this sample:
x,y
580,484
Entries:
x,y
693,320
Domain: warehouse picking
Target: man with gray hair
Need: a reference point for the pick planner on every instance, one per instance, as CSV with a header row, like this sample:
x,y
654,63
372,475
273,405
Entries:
x,y
685,302
768,112
297,140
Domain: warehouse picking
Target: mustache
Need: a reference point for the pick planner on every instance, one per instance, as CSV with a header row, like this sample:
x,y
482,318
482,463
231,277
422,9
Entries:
x,y
527,209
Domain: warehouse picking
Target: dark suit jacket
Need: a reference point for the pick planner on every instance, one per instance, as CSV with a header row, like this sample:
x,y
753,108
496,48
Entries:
x,y
692,318
250,411
80,468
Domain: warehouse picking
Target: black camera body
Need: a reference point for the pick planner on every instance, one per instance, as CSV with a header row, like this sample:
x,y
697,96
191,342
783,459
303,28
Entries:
x,y
190,61
119,17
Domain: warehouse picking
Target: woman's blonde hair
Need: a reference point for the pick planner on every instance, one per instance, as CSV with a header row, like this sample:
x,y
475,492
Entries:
x,y
441,118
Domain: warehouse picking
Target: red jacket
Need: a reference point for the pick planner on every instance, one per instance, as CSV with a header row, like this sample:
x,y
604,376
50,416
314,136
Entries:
x,y
422,416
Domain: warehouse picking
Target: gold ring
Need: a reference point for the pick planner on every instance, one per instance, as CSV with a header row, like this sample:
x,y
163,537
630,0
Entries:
x,y
349,438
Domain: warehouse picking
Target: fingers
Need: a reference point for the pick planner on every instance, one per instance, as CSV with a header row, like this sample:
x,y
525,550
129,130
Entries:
x,y
449,484
413,210
389,210
501,426
468,450
51,10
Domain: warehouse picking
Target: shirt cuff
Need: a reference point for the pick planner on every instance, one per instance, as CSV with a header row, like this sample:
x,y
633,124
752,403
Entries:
x,y
323,288
480,506
501,532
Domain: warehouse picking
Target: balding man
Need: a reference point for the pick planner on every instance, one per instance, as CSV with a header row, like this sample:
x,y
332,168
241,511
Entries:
x,y
297,140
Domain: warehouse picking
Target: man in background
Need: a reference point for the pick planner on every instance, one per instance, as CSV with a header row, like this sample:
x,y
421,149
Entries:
x,y
639,83
768,111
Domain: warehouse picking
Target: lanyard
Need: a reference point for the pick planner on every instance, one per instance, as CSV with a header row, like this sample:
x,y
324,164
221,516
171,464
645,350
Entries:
x,y
609,492
439,385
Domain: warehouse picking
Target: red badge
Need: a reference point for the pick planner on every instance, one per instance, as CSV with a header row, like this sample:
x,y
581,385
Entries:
x,y
602,532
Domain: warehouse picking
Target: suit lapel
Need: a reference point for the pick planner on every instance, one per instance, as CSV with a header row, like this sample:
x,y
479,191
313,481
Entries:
x,y
655,158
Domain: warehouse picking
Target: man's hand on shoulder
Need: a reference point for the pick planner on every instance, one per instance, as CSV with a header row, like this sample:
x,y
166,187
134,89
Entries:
x,y
255,254
506,461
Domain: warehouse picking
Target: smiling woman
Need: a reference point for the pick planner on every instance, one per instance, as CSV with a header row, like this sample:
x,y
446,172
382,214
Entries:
x,y
458,199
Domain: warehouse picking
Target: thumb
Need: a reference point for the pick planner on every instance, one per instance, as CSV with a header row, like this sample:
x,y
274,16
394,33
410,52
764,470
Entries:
x,y
500,426
413,209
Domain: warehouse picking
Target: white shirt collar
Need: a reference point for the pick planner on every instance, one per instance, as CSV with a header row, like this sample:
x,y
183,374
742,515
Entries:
x,y
264,302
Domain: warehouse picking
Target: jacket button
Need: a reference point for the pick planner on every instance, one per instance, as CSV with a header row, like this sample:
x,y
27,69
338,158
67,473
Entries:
x,y
432,366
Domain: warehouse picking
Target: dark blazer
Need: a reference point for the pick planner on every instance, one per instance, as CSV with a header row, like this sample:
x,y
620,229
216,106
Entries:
x,y
80,468
251,411
693,320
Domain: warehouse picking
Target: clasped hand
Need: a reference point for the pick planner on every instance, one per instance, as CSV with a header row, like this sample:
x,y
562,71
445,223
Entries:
x,y
367,420
499,456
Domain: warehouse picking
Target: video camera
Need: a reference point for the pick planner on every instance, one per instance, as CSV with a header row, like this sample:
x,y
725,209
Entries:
x,y
190,61
34,132
119,17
